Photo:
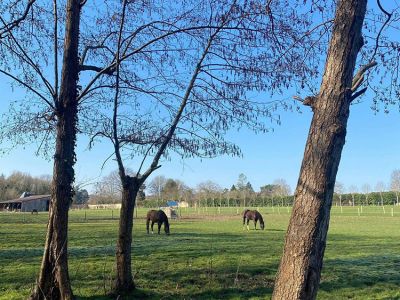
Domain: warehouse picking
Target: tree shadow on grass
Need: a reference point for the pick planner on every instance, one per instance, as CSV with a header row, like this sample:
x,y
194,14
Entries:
x,y
136,294
224,293
360,272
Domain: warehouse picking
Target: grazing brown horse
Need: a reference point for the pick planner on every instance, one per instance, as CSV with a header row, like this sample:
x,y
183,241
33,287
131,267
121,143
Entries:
x,y
253,215
157,216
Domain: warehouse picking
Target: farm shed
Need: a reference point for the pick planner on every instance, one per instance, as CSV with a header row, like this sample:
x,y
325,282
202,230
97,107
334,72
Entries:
x,y
27,203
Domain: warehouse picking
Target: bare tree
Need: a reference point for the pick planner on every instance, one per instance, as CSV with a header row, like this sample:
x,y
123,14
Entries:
x,y
47,67
14,185
156,187
282,189
380,187
395,183
209,190
108,189
300,268
199,66
353,190
366,189
340,190
17,13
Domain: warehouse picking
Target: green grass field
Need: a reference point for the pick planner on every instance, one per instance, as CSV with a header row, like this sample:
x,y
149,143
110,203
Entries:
x,y
207,255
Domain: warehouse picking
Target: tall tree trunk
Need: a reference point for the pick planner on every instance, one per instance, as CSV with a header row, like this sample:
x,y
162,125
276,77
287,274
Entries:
x,y
53,281
300,268
124,281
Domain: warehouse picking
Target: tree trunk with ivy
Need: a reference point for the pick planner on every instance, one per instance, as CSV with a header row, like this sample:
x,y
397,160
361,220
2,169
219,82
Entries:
x,y
53,281
300,268
124,283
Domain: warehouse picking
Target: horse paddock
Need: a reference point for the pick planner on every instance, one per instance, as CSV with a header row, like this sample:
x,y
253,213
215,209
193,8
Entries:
x,y
208,255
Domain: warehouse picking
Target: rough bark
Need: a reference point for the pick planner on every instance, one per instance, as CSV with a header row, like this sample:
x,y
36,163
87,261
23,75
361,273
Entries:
x,y
123,283
53,281
300,268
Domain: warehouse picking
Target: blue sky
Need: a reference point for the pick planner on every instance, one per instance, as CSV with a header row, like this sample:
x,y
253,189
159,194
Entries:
x,y
370,154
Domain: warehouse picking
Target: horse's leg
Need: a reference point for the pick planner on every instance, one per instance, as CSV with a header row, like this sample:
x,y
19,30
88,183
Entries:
x,y
152,224
159,226
248,220
244,220
147,225
255,224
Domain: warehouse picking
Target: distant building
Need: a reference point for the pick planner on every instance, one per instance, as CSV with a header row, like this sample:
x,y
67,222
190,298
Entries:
x,y
105,206
27,203
170,212
183,204
173,204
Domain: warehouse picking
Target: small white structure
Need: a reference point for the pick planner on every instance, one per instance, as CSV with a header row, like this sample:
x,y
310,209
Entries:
x,y
170,212
183,204
105,206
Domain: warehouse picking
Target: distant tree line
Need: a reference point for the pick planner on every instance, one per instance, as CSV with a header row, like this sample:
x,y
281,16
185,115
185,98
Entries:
x,y
373,198
240,194
108,190
13,186
209,193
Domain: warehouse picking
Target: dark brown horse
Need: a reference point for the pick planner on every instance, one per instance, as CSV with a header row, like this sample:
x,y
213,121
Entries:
x,y
157,216
255,216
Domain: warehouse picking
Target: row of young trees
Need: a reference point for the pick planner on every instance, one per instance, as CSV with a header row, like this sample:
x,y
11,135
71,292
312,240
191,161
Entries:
x,y
160,189
370,194
155,77
209,193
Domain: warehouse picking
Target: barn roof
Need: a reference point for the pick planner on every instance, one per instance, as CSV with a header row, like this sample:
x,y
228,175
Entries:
x,y
26,199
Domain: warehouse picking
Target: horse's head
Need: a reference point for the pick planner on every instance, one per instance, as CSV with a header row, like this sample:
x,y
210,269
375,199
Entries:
x,y
166,227
262,225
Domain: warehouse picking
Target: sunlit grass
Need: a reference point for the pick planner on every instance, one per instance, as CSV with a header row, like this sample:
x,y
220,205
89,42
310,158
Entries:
x,y
207,255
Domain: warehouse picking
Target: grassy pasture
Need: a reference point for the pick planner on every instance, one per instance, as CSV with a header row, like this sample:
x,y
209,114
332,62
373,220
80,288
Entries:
x,y
207,255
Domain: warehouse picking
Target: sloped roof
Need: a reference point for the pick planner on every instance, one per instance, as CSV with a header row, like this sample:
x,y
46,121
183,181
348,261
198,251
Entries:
x,y
26,199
